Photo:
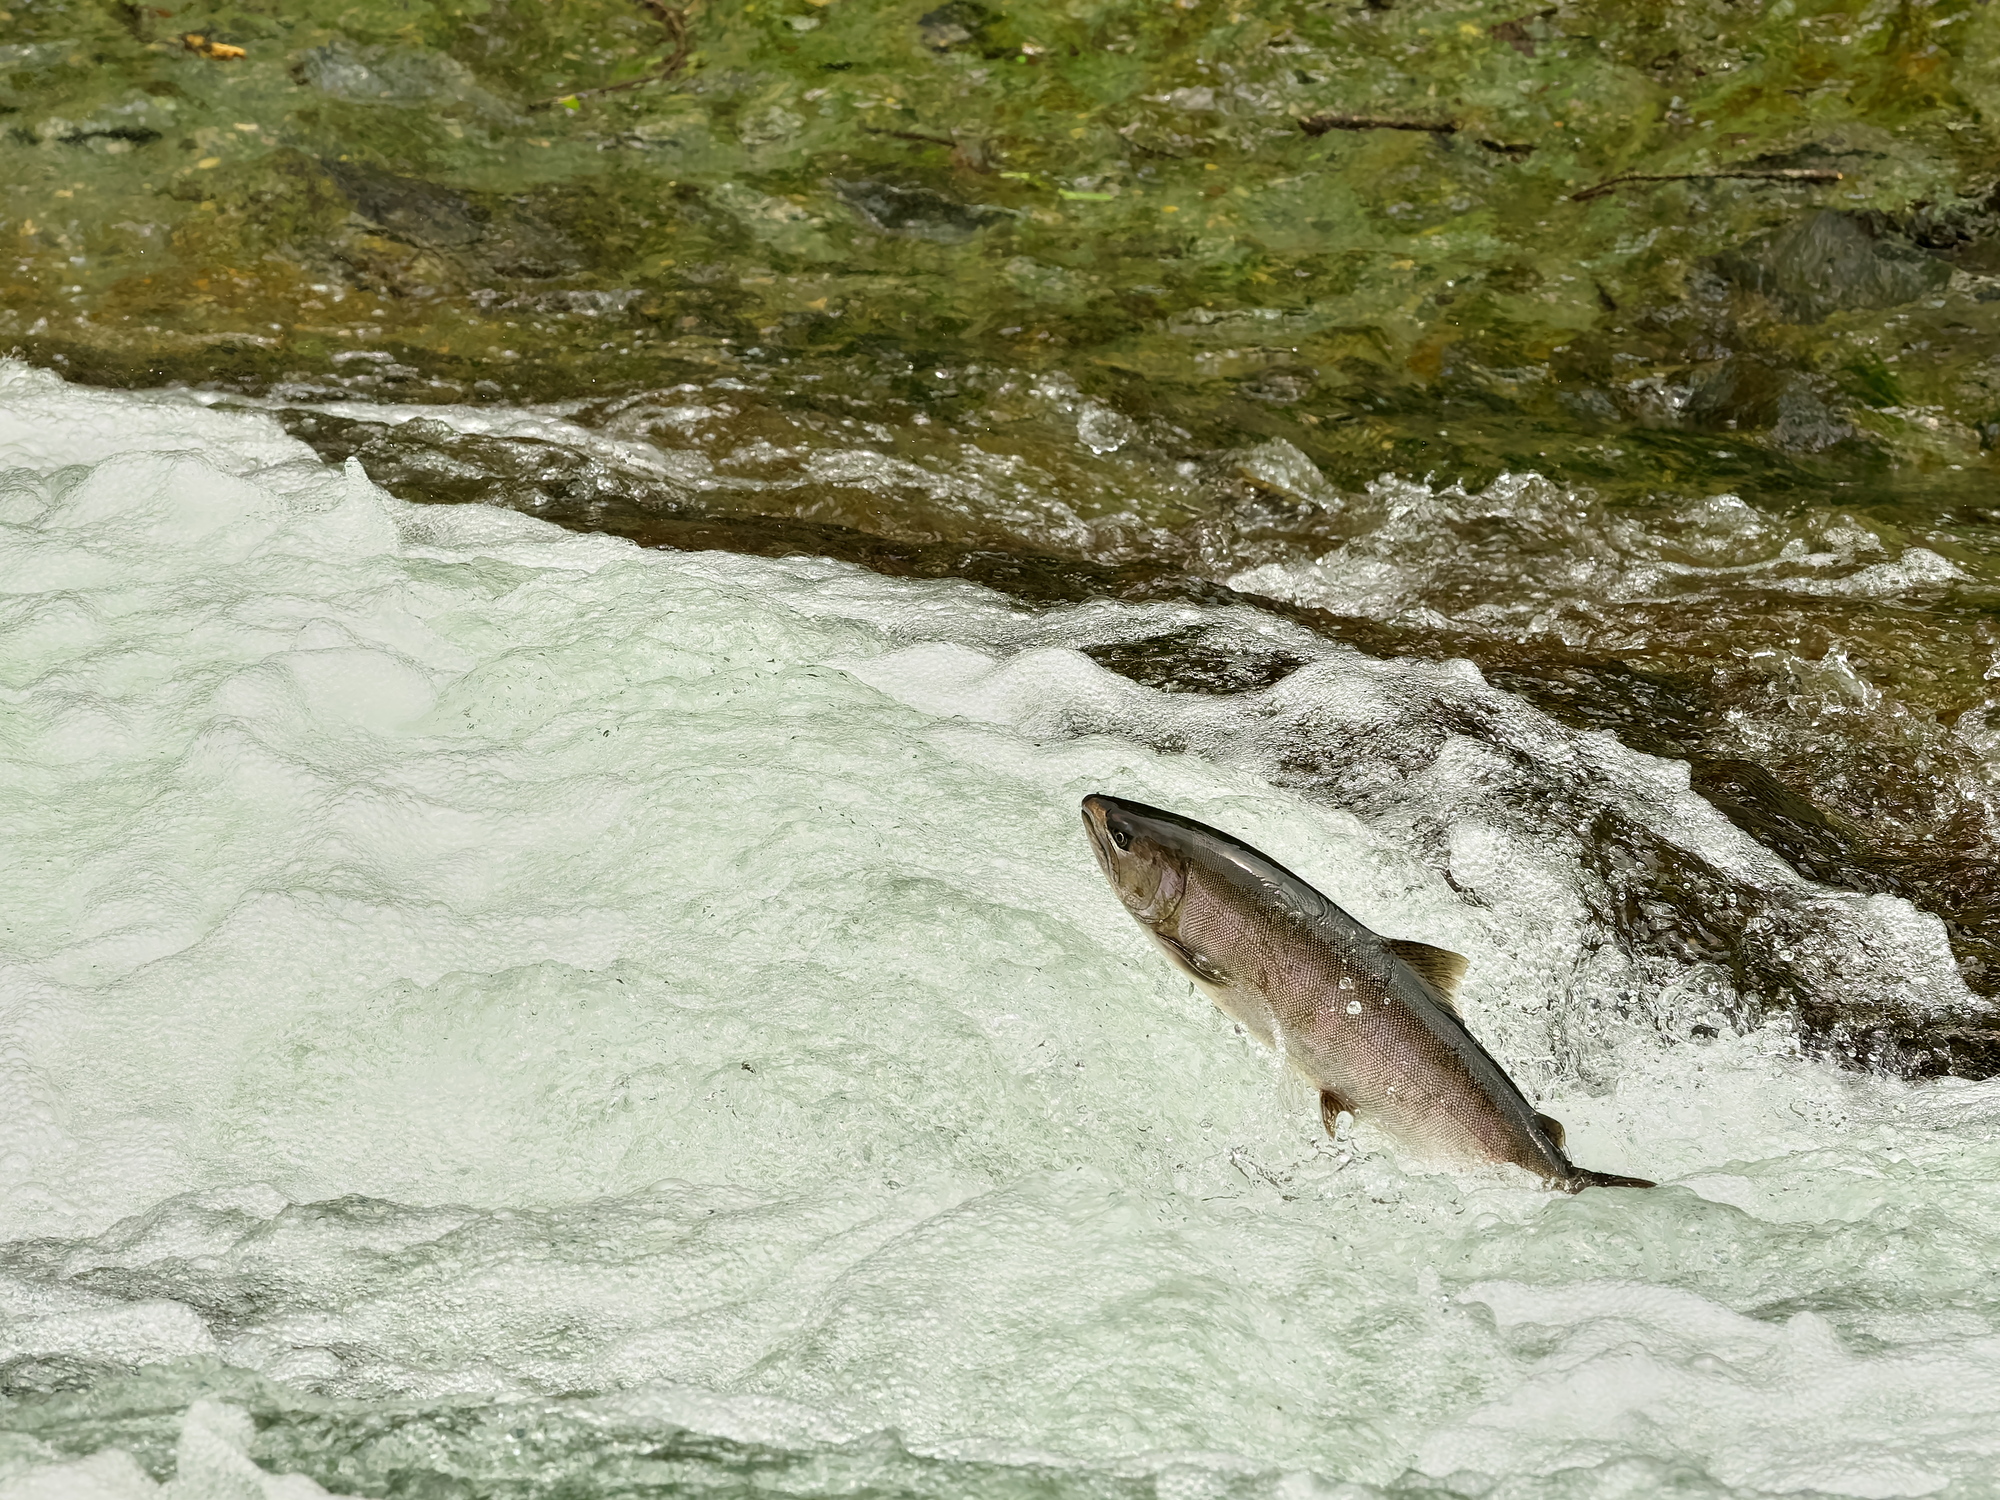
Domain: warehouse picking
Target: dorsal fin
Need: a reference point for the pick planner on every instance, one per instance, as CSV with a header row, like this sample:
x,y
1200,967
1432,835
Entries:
x,y
1553,1129
1440,966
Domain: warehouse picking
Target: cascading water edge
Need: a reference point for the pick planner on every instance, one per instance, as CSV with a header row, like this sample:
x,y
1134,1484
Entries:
x,y
492,1010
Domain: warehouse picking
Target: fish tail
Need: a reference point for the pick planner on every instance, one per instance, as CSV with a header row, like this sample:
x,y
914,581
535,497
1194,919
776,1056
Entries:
x,y
1582,1177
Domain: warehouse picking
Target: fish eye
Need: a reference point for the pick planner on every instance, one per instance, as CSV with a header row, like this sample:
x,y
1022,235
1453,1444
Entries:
x,y
1121,838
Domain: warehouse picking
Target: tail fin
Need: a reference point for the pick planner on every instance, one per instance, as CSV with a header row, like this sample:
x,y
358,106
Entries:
x,y
1582,1177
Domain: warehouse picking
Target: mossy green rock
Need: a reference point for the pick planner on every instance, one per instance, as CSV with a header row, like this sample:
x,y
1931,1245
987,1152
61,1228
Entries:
x,y
426,201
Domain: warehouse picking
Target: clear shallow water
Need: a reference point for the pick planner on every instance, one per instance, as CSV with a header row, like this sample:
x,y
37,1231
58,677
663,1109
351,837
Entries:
x,y
496,1011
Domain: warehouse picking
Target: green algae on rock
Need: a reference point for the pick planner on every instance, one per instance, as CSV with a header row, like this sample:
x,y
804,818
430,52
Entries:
x,y
1121,189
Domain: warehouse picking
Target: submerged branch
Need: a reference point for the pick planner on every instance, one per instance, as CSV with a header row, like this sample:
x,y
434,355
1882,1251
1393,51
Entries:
x,y
912,135
675,22
1741,174
1321,124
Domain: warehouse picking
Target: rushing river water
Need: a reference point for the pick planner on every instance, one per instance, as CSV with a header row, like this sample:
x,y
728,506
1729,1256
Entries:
x,y
489,1010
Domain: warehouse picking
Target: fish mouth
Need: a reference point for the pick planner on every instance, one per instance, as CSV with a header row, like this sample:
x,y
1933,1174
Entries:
x,y
1101,805
1095,810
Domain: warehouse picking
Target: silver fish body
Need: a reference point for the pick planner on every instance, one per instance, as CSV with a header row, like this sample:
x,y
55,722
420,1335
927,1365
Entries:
x,y
1369,1020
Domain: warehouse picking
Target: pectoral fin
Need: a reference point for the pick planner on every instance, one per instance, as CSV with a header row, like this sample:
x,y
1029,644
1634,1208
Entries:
x,y
1439,966
1195,965
1331,1108
1553,1129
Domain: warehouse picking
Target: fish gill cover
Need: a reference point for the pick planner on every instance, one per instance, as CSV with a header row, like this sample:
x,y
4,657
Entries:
x,y
497,1011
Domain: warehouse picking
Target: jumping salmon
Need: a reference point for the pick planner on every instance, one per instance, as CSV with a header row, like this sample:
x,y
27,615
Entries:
x,y
1371,1021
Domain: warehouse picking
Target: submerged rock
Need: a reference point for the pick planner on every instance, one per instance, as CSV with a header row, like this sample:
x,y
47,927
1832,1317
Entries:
x,y
1798,412
1832,262
388,75
484,239
953,25
917,211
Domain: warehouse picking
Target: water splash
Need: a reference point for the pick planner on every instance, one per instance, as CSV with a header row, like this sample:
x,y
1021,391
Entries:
x,y
505,1009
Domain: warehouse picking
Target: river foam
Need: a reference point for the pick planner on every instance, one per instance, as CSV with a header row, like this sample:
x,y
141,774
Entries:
x,y
486,1007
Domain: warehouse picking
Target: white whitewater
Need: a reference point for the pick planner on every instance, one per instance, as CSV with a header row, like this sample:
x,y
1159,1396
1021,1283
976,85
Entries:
x,y
506,994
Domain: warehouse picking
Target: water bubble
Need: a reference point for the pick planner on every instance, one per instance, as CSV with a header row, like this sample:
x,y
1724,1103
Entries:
x,y
1103,430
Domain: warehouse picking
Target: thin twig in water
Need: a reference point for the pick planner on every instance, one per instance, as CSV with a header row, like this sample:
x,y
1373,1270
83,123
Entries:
x,y
676,24
1321,124
912,135
1763,174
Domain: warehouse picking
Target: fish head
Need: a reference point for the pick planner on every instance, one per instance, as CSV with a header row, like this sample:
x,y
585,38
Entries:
x,y
1138,857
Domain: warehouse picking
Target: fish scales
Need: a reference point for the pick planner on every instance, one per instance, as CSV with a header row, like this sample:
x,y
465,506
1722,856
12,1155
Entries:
x,y
1348,1008
1353,1018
